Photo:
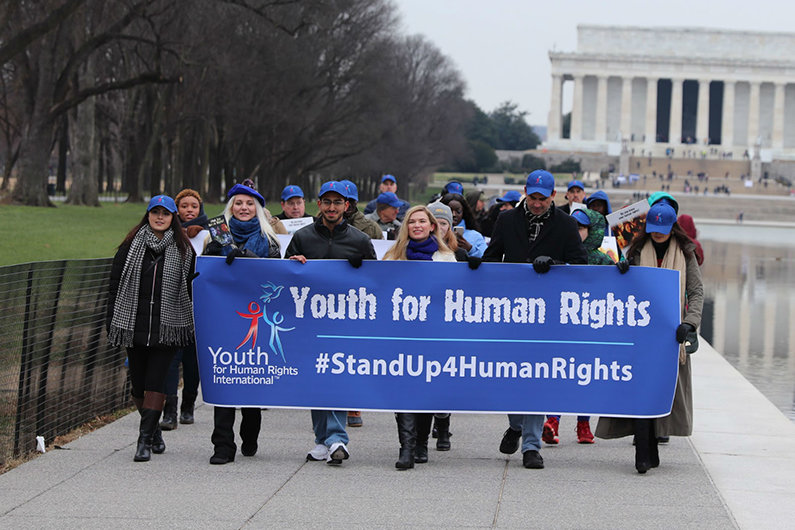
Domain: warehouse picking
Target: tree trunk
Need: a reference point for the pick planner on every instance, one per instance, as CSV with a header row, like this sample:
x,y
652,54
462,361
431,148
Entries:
x,y
63,149
83,190
34,158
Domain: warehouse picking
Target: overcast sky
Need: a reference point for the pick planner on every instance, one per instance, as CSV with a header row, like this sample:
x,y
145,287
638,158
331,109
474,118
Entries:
x,y
501,46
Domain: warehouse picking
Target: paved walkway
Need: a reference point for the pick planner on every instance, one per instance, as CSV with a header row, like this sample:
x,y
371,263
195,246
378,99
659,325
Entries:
x,y
735,472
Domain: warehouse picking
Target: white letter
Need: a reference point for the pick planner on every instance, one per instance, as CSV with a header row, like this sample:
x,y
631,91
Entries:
x,y
299,300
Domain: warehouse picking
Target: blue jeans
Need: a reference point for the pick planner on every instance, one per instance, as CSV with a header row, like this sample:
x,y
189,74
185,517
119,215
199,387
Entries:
x,y
531,426
329,426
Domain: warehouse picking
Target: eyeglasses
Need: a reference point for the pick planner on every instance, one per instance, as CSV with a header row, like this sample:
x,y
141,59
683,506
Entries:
x,y
329,202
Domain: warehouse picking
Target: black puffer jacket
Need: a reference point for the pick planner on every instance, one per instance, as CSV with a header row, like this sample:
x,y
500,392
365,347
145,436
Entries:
x,y
317,242
147,317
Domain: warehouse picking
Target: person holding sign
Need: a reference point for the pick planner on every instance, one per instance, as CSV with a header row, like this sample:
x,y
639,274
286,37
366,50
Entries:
x,y
330,237
664,244
418,239
534,232
149,311
254,237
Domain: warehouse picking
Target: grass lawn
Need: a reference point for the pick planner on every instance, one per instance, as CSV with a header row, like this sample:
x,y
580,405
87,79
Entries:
x,y
74,232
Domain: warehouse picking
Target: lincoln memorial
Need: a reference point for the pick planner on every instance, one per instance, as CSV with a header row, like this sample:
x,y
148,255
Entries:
x,y
676,88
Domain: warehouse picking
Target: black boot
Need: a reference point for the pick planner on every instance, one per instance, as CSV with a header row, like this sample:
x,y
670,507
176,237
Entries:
x,y
423,425
149,419
186,409
642,456
654,453
169,422
155,401
407,434
443,433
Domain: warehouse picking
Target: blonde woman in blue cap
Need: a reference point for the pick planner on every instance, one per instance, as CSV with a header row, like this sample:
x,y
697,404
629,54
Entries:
x,y
665,244
254,238
150,312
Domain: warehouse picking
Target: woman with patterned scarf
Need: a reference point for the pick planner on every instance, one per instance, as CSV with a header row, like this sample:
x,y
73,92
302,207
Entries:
x,y
665,244
254,237
150,312
418,239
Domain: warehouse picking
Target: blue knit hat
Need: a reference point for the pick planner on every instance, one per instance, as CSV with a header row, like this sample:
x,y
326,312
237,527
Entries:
x,y
239,189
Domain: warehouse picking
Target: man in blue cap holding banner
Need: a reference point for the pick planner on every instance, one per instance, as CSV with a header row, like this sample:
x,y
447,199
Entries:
x,y
534,232
330,237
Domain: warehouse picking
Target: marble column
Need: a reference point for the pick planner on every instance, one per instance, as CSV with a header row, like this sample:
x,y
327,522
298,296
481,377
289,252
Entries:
x,y
601,109
576,109
778,116
626,108
554,121
702,112
727,132
675,130
651,110
753,114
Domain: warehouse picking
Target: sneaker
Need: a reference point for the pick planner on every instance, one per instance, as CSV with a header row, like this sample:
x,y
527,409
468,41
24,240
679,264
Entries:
x,y
532,459
584,435
354,418
550,433
510,441
337,453
317,454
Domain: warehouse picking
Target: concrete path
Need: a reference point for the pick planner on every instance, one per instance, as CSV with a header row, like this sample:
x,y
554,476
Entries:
x,y
736,471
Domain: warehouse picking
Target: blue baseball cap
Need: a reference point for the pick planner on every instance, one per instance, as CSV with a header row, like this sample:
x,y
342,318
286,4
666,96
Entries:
x,y
454,187
162,200
390,199
660,218
350,191
292,191
581,217
540,181
510,196
575,184
331,186
389,177
239,189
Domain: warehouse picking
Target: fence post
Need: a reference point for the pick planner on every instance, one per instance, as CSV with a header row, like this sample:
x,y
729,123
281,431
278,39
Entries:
x,y
41,401
25,366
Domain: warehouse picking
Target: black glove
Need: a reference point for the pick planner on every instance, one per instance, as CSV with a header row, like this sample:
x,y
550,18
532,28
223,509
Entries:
x,y
355,261
234,253
622,266
474,262
195,275
542,264
682,330
213,248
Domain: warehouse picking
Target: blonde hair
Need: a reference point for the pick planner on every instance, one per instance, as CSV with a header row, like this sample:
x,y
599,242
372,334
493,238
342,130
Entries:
x,y
398,250
264,224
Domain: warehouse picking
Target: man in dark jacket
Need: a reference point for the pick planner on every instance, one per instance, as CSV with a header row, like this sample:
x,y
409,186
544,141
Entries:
x,y
538,233
330,237
388,185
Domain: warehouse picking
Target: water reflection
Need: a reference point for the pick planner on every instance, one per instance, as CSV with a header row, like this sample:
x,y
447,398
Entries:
x,y
749,309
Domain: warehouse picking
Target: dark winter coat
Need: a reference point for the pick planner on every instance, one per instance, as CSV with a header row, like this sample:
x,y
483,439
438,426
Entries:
x,y
559,239
147,317
317,242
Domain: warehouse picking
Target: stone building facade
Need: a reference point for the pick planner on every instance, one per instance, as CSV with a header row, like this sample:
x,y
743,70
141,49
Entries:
x,y
677,88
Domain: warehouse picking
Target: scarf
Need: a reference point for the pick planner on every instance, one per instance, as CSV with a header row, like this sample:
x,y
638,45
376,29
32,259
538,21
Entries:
x,y
176,312
249,236
422,250
673,259
535,222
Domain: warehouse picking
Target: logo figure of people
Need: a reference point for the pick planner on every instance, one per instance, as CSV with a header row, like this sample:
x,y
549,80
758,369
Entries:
x,y
270,292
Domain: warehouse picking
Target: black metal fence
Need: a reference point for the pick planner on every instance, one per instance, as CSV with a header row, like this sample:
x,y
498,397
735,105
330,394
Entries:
x,y
57,370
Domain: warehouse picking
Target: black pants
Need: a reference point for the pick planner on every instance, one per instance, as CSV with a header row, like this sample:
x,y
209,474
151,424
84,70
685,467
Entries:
x,y
223,437
190,371
148,368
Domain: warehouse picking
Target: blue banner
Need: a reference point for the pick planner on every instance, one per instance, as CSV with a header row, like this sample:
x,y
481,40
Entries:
x,y
437,337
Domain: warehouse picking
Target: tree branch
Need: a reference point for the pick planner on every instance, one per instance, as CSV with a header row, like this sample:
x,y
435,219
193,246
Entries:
x,y
143,79
24,38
